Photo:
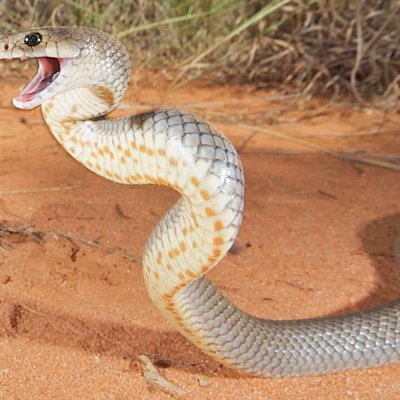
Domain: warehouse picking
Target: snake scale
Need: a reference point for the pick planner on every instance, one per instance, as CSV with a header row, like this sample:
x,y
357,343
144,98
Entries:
x,y
82,76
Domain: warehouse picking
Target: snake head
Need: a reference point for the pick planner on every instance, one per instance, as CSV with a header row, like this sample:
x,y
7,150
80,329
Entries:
x,y
68,58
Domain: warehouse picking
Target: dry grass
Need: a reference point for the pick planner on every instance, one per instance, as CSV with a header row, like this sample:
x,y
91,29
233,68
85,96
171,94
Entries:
x,y
339,47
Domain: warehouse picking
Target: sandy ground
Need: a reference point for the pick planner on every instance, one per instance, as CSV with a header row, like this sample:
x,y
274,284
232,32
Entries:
x,y
317,239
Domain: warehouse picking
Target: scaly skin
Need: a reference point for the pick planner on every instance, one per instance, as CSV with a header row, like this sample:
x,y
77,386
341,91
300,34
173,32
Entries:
x,y
169,147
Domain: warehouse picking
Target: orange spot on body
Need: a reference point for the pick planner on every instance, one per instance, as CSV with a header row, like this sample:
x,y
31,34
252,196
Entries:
x,y
149,178
204,194
195,181
182,246
218,240
191,273
216,252
127,153
218,225
209,212
176,252
150,152
181,276
167,296
133,144
123,160
204,269
173,161
194,244
161,152
142,148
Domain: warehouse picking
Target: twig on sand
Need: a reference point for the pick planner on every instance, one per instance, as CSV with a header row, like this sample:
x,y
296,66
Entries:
x,y
153,378
38,236
246,140
351,134
34,311
39,190
31,121
377,163
203,382
240,102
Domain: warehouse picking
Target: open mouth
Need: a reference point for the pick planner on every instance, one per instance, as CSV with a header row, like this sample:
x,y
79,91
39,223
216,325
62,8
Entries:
x,y
48,71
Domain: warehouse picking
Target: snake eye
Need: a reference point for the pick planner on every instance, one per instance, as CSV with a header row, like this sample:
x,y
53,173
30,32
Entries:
x,y
33,39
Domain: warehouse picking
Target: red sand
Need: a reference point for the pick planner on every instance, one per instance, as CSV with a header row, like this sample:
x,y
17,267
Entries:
x,y
320,235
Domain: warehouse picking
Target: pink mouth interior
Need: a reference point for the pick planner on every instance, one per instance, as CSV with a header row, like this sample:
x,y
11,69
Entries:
x,y
47,70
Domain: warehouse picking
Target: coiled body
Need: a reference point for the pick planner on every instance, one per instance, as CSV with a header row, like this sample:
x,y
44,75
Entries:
x,y
169,147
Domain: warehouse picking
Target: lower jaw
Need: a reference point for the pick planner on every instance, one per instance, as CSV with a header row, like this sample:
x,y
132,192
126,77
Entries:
x,y
27,104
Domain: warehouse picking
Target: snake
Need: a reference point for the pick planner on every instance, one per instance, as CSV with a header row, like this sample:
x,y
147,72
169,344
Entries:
x,y
82,76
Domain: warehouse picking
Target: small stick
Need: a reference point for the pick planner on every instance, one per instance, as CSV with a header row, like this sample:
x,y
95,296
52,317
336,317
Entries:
x,y
376,163
245,141
39,190
153,378
349,134
38,237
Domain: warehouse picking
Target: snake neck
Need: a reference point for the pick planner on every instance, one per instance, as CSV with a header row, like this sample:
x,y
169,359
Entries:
x,y
75,107
73,119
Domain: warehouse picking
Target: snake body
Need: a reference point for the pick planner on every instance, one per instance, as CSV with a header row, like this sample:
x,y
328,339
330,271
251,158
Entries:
x,y
83,74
